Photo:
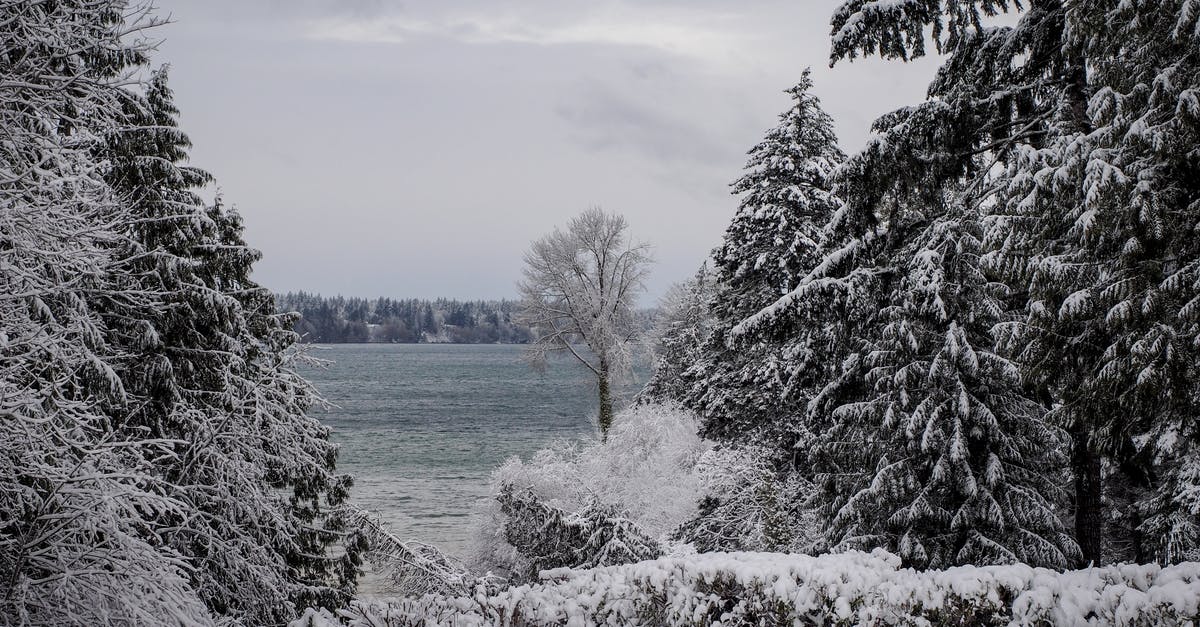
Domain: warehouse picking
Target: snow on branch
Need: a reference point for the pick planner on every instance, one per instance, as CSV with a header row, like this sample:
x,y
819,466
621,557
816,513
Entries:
x,y
413,568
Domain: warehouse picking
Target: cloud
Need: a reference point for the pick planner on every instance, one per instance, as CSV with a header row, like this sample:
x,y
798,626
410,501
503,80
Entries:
x,y
604,120
709,36
466,127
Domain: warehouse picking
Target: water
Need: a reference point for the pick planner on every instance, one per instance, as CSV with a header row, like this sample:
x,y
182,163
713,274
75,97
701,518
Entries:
x,y
423,425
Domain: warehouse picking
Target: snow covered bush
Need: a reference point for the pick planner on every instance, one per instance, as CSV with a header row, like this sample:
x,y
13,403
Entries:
x,y
747,504
653,477
853,588
644,472
548,537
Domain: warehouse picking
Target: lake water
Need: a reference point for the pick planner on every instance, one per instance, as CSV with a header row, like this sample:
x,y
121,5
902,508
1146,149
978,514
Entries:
x,y
421,426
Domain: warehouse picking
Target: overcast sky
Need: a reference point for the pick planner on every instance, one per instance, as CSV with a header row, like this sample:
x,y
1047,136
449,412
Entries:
x,y
414,149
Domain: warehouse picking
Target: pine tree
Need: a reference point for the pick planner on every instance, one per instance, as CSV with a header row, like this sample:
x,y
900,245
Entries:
x,y
1112,199
771,243
1088,115
209,368
996,93
933,450
930,443
73,496
682,335
926,441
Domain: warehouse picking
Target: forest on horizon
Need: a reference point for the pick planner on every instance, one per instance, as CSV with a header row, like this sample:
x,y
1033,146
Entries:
x,y
354,320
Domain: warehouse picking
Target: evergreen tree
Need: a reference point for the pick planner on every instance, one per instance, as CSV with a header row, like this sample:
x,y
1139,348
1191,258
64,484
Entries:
x,y
683,329
209,369
926,442
1112,196
73,495
929,442
769,246
996,93
933,451
1087,115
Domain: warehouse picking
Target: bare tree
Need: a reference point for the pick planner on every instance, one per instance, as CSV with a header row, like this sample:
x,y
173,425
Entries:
x,y
579,289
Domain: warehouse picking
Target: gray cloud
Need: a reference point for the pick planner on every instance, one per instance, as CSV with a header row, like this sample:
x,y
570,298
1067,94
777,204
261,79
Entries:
x,y
416,149
602,120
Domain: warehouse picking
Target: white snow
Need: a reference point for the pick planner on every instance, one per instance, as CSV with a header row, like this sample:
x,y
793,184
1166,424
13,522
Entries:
x,y
774,588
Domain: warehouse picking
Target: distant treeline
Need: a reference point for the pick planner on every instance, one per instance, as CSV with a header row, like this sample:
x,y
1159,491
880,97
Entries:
x,y
337,320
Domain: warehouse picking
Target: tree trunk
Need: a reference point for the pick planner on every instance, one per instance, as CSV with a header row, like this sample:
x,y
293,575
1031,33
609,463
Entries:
x,y
606,411
1089,510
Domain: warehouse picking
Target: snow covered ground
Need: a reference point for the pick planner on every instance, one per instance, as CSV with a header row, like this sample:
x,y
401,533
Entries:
x,y
853,588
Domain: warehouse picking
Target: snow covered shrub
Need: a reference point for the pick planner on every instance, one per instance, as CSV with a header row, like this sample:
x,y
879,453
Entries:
x,y
656,476
645,472
548,537
748,505
853,588
413,569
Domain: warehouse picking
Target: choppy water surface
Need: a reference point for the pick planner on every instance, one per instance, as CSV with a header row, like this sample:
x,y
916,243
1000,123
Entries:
x,y
423,425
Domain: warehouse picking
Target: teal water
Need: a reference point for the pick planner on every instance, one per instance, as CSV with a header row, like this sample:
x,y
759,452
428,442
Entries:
x,y
421,426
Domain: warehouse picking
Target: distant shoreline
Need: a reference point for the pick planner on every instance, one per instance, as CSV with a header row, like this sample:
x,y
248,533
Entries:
x,y
321,342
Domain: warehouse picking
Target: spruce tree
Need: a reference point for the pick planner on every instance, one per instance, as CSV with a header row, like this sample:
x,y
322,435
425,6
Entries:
x,y
996,93
1112,198
933,451
771,243
209,369
929,442
73,495
682,335
1086,114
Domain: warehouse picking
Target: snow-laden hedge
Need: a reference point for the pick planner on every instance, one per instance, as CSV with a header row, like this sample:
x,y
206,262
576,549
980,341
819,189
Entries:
x,y
852,588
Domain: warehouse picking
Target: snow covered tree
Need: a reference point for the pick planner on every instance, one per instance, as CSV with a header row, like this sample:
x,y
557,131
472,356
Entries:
x,y
1112,198
682,330
772,242
158,463
1086,114
933,451
644,472
208,368
930,442
748,504
1094,120
580,286
73,495
927,444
